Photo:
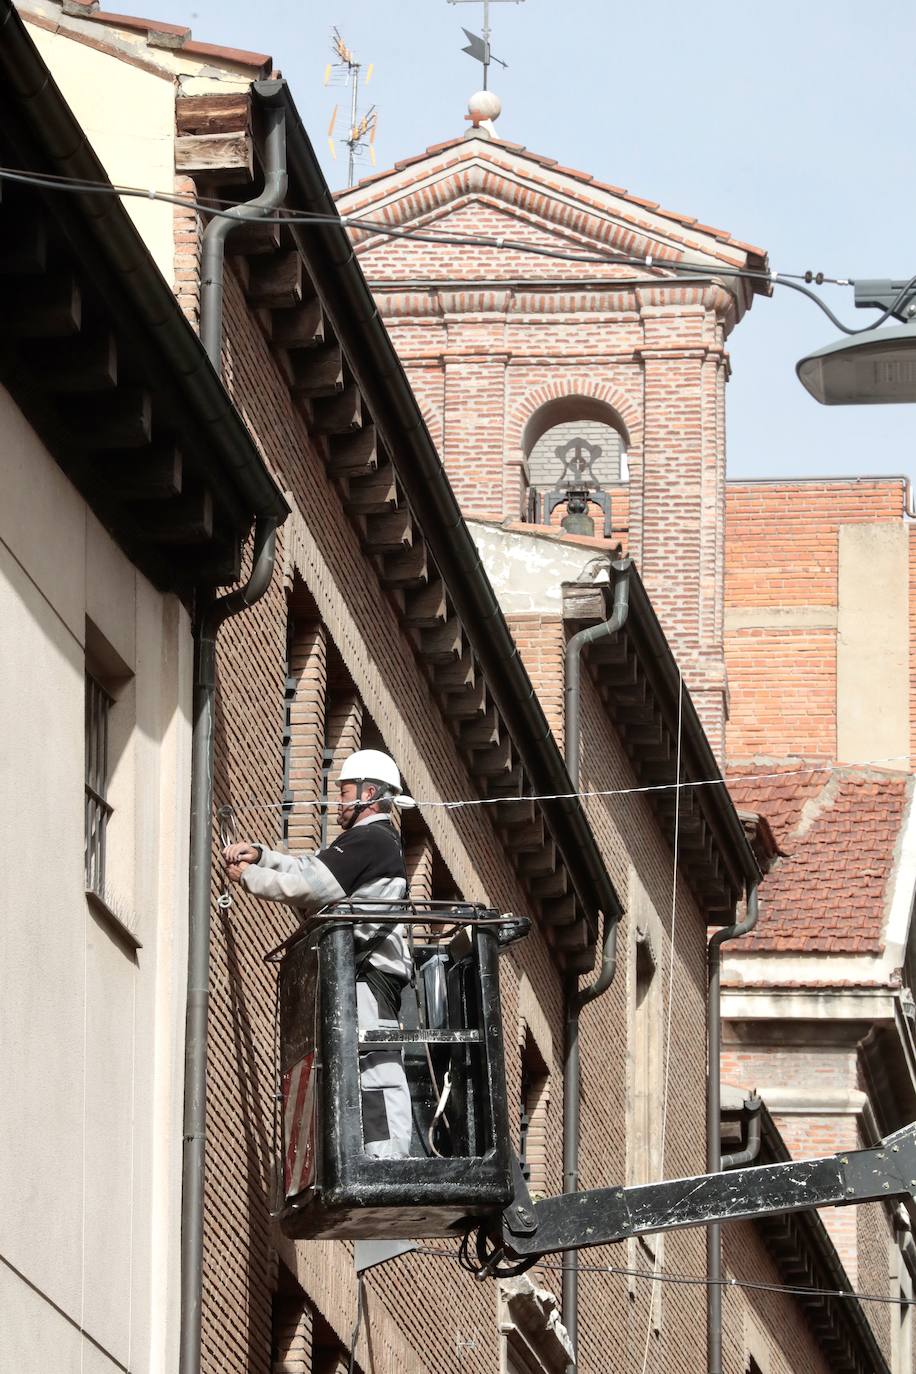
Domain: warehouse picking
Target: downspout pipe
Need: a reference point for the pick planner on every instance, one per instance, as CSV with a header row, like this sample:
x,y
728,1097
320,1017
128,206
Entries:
x,y
575,997
209,620
751,1148
213,247
714,1160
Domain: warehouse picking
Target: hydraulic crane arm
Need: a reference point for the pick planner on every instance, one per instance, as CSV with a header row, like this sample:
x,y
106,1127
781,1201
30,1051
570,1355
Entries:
x,y
600,1216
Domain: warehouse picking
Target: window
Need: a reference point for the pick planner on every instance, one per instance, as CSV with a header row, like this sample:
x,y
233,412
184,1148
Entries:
x,y
575,451
110,789
646,1084
291,684
535,1099
98,809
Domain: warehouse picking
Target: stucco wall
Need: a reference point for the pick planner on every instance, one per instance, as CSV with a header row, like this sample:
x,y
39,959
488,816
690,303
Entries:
x,y
129,117
91,1027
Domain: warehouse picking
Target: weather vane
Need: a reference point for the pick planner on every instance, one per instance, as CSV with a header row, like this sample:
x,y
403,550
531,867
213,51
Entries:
x,y
479,44
361,134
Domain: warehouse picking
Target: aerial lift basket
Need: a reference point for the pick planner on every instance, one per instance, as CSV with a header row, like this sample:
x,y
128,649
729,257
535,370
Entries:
x,y
461,1176
451,1039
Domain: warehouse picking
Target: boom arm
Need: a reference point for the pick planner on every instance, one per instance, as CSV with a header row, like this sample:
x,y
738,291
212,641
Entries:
x,y
599,1216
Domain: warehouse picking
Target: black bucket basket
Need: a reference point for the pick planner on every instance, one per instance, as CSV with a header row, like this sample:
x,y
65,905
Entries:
x,y
460,1163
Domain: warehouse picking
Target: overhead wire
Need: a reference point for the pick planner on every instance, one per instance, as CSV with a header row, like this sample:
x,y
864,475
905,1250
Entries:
x,y
687,1280
253,805
679,270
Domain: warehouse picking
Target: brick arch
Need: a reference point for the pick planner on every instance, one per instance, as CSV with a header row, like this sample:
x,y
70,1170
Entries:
x,y
566,389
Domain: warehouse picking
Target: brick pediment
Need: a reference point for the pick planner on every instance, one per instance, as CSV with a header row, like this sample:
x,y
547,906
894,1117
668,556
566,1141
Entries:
x,y
476,186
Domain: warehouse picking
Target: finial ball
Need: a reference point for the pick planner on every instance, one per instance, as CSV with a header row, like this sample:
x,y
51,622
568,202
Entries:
x,y
482,106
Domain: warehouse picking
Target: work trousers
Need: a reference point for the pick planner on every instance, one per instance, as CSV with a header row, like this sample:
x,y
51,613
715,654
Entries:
x,y
387,1125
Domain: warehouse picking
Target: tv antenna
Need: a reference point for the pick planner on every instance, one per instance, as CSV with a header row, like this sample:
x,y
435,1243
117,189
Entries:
x,y
361,133
479,44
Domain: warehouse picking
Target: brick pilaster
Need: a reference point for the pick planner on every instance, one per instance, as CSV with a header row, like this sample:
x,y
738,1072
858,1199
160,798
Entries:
x,y
308,668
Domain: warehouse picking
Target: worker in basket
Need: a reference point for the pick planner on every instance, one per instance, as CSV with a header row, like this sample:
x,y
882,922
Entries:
x,y
365,863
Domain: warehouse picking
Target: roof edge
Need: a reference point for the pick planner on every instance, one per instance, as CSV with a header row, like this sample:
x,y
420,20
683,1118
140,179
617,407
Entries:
x,y
56,131
378,371
700,763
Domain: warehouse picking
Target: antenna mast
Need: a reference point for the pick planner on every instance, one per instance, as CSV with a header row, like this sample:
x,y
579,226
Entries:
x,y
361,133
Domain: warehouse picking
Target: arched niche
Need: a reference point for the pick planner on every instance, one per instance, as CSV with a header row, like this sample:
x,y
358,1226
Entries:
x,y
573,442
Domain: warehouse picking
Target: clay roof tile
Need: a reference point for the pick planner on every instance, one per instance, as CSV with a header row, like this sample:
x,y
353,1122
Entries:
x,y
838,829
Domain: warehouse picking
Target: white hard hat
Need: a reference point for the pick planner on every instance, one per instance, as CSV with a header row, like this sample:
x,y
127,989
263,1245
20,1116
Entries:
x,y
371,765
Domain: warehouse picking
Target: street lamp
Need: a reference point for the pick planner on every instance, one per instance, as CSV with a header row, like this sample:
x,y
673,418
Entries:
x,y
877,366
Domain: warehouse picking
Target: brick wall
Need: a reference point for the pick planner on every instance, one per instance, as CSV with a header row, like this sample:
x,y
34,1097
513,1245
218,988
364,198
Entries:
x,y
861,1234
749,1316
669,405
480,377
187,227
655,362
781,604
411,1332
637,853
782,693
360,621
541,642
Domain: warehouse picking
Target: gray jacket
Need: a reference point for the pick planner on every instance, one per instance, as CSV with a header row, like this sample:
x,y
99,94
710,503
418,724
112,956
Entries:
x,y
365,863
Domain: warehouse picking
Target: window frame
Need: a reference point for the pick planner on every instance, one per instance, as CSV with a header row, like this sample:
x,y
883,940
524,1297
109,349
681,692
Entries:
x,y
98,810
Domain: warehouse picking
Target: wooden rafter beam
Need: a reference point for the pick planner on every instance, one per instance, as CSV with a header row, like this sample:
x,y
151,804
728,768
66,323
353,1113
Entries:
x,y
110,420
42,307
301,326
340,414
153,475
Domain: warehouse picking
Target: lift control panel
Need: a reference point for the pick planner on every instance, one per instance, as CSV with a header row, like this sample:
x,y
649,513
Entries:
x,y
450,1036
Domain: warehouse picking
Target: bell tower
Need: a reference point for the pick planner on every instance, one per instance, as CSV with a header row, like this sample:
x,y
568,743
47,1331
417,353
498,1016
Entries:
x,y
567,343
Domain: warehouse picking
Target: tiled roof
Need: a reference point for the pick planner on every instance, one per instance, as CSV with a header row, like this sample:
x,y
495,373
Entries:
x,y
162,35
519,150
838,830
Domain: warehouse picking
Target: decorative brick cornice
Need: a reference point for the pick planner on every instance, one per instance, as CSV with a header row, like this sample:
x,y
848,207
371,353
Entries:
x,y
495,158
553,200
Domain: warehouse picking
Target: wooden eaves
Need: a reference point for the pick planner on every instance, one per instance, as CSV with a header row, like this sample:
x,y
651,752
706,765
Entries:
x,y
306,288
98,355
637,675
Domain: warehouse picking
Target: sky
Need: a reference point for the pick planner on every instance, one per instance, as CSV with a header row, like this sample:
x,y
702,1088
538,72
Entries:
x,y
784,123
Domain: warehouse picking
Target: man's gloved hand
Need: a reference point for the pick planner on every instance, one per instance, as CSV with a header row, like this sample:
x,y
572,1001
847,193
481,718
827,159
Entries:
x,y
237,857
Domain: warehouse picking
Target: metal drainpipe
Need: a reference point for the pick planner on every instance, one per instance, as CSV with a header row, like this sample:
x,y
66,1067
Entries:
x,y
262,566
213,248
751,1149
713,1126
577,998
